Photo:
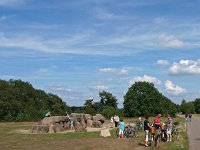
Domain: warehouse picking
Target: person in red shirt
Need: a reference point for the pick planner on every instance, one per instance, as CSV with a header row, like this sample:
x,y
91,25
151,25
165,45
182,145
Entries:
x,y
157,122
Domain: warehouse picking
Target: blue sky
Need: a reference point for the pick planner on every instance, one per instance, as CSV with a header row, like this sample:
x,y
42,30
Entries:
x,y
77,48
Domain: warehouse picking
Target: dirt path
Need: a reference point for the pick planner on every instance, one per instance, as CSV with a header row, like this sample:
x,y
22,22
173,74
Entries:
x,y
193,132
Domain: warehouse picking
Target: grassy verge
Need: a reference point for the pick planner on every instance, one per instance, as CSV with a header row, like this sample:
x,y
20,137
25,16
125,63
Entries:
x,y
81,141
196,115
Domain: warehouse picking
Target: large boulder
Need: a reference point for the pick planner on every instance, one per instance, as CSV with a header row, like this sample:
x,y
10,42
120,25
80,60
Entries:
x,y
89,123
99,117
79,122
97,124
88,117
79,127
40,129
66,125
54,119
58,127
51,129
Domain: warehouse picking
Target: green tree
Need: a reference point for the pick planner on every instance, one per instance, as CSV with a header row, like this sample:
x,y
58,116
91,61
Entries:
x,y
20,101
142,98
107,99
197,105
187,107
89,107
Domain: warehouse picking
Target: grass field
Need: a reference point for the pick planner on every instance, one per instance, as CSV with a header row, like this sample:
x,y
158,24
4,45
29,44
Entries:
x,y
196,115
12,140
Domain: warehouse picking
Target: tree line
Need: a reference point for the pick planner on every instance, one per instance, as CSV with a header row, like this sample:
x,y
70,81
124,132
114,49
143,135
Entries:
x,y
20,101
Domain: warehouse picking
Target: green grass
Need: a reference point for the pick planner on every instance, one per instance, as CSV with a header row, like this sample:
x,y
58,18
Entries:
x,y
9,139
196,115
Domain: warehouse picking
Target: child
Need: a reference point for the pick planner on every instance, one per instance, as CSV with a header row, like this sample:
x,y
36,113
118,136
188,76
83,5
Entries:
x,y
121,128
169,128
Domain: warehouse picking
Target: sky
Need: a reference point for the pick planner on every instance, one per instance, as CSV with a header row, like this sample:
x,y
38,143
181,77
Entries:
x,y
77,48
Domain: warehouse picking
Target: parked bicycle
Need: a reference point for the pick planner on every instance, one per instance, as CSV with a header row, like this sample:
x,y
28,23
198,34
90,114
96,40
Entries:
x,y
139,126
175,130
129,132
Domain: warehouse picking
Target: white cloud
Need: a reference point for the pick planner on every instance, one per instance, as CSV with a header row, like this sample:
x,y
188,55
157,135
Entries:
x,y
79,43
123,71
173,89
58,88
119,71
98,87
185,67
170,41
162,62
107,70
145,78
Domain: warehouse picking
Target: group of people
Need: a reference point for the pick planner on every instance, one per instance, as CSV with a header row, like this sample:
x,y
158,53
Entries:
x,y
157,125
114,121
118,122
188,117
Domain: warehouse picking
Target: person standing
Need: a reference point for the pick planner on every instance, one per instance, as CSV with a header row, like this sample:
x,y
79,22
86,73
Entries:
x,y
117,120
186,117
157,125
112,121
71,119
146,129
121,128
169,128
114,118
157,121
190,117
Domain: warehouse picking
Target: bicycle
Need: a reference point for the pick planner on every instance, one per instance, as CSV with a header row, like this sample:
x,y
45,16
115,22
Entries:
x,y
129,132
175,130
139,126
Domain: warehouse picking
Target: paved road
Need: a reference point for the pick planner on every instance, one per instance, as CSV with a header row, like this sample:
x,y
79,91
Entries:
x,y
193,132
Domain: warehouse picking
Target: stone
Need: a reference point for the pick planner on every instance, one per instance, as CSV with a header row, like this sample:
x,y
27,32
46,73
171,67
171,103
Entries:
x,y
79,127
105,133
88,117
97,124
66,125
99,117
89,123
51,128
40,129
58,127
54,119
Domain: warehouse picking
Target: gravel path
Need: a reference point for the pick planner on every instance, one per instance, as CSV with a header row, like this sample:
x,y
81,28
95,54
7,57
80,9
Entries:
x,y
193,132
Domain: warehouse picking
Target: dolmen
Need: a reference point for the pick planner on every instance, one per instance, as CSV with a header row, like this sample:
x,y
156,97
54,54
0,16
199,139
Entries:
x,y
56,124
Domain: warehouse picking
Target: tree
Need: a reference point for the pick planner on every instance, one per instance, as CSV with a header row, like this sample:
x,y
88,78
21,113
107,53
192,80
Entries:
x,y
107,99
142,98
197,105
89,107
187,107
20,101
